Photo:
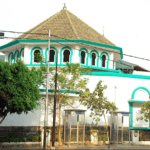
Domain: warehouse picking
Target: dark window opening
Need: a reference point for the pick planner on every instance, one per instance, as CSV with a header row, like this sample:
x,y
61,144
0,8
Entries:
x,y
103,60
93,59
10,59
16,56
36,59
66,55
51,55
83,57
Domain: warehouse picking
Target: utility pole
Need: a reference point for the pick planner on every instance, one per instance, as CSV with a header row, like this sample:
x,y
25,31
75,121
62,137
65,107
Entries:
x,y
46,101
54,112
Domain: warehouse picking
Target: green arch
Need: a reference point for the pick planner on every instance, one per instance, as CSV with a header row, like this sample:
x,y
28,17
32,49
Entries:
x,y
22,49
61,51
84,49
55,54
139,88
38,48
105,53
15,55
9,57
94,51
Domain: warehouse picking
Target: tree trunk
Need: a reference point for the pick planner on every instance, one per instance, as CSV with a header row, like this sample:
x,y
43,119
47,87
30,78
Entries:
x,y
105,127
59,132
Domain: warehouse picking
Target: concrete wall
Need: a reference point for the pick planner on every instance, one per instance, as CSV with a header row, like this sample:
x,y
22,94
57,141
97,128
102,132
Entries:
x,y
124,90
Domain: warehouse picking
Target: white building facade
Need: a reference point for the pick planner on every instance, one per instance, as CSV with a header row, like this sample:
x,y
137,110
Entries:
x,y
127,91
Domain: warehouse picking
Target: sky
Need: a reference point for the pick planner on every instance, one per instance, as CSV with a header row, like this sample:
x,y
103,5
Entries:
x,y
126,22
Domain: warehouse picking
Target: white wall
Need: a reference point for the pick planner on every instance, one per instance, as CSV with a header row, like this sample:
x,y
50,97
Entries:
x,y
125,87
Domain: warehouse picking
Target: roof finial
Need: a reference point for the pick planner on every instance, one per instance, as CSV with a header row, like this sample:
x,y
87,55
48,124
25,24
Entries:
x,y
64,6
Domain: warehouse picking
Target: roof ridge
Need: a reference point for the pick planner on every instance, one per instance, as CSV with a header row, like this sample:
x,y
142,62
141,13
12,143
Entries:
x,y
91,28
73,28
39,25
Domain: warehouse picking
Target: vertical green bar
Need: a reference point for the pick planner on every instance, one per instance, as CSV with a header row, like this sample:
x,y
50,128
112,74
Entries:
x,y
149,121
131,115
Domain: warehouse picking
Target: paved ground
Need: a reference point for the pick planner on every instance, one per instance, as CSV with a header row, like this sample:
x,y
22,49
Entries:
x,y
105,147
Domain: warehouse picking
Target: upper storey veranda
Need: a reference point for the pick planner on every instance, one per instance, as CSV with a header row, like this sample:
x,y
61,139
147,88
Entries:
x,y
88,54
73,39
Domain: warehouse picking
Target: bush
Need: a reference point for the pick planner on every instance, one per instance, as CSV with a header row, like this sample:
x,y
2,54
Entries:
x,y
23,138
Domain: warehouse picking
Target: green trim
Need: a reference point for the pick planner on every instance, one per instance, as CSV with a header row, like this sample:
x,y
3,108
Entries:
x,y
53,48
94,51
94,73
61,54
63,65
63,41
12,61
10,44
135,101
22,49
114,73
63,91
84,49
131,114
15,55
139,88
139,128
31,54
105,53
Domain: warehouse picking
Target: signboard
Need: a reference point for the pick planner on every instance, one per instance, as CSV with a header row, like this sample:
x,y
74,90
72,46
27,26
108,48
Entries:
x,y
1,35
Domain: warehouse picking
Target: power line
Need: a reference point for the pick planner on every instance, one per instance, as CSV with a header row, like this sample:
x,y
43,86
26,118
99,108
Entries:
x,y
68,40
74,42
79,49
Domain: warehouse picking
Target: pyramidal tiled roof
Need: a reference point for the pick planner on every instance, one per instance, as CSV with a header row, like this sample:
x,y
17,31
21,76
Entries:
x,y
65,25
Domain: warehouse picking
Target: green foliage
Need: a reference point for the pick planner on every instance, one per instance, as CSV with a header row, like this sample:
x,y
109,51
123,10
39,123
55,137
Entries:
x,y
68,80
145,111
102,137
38,57
96,102
23,138
19,90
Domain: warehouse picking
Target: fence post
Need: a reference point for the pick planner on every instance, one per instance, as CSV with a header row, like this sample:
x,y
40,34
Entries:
x,y
48,137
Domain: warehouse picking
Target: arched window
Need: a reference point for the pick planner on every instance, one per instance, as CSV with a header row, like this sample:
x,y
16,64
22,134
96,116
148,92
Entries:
x,y
16,57
83,57
22,55
66,56
104,61
35,53
93,59
51,56
10,59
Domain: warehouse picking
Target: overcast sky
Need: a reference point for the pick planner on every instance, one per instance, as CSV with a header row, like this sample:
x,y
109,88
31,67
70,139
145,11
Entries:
x,y
126,22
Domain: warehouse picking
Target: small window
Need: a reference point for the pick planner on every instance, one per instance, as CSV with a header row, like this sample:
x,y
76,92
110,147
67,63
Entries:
x,y
66,56
104,61
83,57
51,55
35,53
93,59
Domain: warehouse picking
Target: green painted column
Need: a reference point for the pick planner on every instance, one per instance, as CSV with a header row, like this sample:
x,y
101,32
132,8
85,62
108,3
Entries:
x,y
131,114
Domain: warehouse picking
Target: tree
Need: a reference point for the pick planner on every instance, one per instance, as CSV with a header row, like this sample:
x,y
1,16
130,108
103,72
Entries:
x,y
145,111
19,88
68,80
97,103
